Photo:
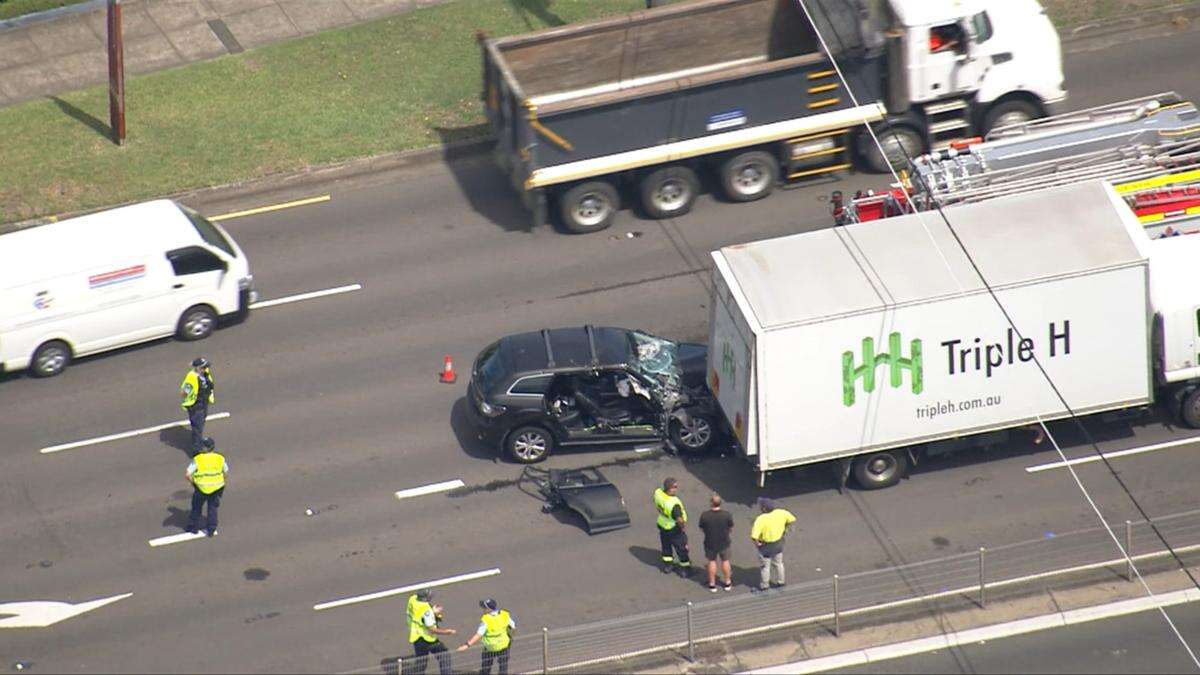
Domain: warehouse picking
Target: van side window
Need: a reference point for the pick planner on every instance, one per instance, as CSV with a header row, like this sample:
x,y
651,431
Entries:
x,y
194,260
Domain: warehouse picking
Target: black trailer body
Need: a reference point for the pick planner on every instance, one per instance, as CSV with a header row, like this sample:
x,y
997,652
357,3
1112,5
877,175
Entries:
x,y
620,97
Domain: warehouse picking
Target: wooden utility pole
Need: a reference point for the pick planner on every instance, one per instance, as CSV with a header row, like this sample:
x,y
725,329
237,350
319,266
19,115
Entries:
x,y
116,73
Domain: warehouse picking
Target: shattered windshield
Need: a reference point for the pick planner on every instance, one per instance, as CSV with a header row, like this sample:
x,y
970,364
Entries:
x,y
657,358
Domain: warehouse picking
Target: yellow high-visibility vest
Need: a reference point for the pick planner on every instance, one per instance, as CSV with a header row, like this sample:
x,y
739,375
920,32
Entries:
x,y
666,504
210,472
495,635
191,388
417,630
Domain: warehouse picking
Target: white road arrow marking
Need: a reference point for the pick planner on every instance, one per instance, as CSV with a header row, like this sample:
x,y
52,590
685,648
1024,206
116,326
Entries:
x,y
43,613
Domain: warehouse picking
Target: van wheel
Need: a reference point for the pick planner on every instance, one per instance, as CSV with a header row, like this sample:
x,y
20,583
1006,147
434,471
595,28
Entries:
x,y
588,207
881,469
196,323
50,359
749,175
529,445
669,191
1190,412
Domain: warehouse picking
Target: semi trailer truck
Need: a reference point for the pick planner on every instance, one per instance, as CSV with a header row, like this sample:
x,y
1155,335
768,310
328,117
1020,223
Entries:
x,y
882,344
639,105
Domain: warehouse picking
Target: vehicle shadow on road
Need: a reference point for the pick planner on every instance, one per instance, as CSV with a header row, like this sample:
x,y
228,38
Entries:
x,y
484,185
465,433
727,476
179,438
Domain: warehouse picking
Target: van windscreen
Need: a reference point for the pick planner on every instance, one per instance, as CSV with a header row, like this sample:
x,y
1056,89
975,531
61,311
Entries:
x,y
208,232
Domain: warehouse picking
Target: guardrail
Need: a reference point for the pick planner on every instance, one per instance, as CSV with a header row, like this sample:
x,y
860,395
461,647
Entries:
x,y
591,646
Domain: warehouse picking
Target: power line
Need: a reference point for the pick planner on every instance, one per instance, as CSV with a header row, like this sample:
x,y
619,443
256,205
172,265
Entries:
x,y
1008,318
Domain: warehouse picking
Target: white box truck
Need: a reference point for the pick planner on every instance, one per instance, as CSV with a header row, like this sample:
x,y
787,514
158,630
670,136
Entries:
x,y
879,343
115,278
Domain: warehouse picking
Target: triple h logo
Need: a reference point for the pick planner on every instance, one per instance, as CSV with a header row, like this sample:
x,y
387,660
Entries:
x,y
896,365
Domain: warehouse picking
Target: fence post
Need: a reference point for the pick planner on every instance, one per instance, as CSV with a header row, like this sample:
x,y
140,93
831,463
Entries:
x,y
691,643
545,650
982,581
1128,551
837,616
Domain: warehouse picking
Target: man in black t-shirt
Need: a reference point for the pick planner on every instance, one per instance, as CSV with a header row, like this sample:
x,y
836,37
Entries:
x,y
717,525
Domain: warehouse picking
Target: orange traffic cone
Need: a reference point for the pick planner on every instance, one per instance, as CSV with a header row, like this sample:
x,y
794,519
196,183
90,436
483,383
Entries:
x,y
448,376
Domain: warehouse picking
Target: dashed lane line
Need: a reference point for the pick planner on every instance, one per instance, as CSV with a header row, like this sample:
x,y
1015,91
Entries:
x,y
429,489
125,434
176,538
405,589
306,296
1112,455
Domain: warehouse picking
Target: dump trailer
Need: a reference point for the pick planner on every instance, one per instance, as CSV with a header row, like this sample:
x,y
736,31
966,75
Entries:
x,y
880,344
639,104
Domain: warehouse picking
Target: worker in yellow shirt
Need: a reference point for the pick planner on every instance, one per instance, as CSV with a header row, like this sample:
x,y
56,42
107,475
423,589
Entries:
x,y
423,632
495,629
767,534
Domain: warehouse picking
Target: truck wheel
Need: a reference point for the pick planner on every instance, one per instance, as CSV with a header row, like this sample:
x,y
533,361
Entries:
x,y
669,191
900,142
696,435
588,207
529,445
50,359
1009,113
1190,412
880,469
748,176
196,323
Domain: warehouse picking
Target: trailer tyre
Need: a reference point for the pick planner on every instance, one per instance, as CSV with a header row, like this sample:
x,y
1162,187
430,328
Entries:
x,y
588,207
668,192
1009,113
1190,412
880,469
529,445
900,142
748,176
197,323
50,359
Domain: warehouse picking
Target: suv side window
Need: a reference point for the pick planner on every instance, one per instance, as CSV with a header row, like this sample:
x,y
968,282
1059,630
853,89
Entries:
x,y
534,385
194,260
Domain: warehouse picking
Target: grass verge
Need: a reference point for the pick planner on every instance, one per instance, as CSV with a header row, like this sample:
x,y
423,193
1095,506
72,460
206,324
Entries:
x,y
14,8
404,82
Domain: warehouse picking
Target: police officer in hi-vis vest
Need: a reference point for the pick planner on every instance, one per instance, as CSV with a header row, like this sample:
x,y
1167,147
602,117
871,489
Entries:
x,y
197,391
671,520
495,629
207,474
423,630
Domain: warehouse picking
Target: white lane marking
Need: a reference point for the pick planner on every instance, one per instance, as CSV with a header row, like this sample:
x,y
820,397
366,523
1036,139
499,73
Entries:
x,y
429,489
647,448
306,296
126,434
404,589
1112,455
42,613
176,538
974,635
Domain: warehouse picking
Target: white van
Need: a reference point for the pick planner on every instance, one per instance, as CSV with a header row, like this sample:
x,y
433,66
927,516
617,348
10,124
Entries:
x,y
115,278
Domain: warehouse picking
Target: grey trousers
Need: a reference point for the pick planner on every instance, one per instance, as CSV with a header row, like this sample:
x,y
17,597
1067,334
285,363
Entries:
x,y
771,566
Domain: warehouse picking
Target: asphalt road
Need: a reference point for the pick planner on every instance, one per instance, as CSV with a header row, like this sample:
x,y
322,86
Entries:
x,y
335,405
1136,643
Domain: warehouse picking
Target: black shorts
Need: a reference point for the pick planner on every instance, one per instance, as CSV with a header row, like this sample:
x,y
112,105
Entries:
x,y
715,555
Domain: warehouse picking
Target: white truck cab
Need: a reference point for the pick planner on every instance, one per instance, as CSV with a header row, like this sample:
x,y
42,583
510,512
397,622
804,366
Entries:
x,y
959,68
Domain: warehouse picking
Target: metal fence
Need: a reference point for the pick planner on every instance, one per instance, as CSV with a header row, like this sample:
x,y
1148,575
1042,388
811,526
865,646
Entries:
x,y
591,646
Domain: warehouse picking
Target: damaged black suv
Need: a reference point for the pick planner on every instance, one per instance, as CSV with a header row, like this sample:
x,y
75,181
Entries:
x,y
532,392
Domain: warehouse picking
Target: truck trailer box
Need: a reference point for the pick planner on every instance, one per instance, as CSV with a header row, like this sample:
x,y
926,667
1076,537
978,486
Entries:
x,y
905,332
